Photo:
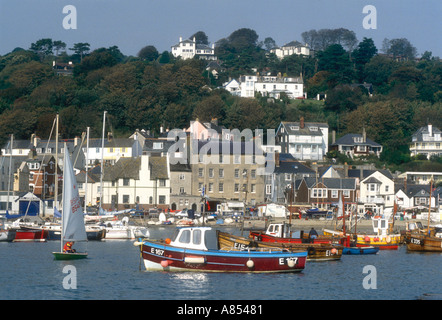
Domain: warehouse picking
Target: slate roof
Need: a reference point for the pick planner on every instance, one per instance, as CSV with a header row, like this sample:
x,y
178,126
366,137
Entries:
x,y
304,131
332,183
123,168
292,167
356,173
246,148
417,136
348,140
158,168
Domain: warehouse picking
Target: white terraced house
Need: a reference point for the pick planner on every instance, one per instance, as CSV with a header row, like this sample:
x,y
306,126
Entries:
x,y
427,141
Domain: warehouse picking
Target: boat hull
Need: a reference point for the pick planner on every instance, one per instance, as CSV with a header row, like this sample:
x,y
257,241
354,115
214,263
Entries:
x,y
389,242
261,236
423,243
69,256
315,251
360,250
30,235
159,256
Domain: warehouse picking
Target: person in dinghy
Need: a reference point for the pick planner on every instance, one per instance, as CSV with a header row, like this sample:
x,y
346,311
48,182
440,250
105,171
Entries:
x,y
68,247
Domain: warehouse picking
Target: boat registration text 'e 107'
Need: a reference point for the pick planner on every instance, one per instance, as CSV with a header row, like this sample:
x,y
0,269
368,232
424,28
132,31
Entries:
x,y
158,252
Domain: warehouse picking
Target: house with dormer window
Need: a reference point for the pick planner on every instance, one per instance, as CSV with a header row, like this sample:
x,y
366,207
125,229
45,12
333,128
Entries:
x,y
189,48
356,145
427,141
303,140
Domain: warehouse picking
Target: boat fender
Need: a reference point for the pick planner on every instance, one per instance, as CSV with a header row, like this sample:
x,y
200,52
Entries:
x,y
291,263
367,239
334,251
164,263
138,243
311,251
250,264
388,239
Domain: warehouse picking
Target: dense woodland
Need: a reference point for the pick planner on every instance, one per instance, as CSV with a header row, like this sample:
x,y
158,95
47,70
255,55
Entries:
x,y
154,89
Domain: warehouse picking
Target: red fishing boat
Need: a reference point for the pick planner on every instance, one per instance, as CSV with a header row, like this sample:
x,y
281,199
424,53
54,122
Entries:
x,y
26,234
281,233
197,249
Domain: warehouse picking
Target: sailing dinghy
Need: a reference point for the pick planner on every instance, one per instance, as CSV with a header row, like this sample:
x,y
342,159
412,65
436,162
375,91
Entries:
x,y
73,228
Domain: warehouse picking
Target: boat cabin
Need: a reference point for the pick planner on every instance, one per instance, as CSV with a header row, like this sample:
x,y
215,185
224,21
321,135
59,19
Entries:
x,y
380,226
280,230
199,238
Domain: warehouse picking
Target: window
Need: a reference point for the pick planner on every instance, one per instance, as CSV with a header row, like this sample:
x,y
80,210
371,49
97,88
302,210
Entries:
x,y
125,181
196,236
182,176
268,189
162,182
125,198
334,193
221,187
162,199
211,174
236,173
253,188
221,173
387,188
236,187
346,193
211,187
288,177
200,172
185,236
181,190
253,173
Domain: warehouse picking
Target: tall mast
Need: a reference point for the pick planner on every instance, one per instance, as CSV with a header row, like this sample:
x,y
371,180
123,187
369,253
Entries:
x,y
102,164
56,165
9,171
86,167
429,206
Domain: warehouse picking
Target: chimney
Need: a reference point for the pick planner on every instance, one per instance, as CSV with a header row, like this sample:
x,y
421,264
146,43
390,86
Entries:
x,y
364,135
430,130
333,137
77,140
301,124
276,159
109,136
181,39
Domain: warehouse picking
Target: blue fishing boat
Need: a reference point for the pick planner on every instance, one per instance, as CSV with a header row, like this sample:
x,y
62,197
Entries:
x,y
360,250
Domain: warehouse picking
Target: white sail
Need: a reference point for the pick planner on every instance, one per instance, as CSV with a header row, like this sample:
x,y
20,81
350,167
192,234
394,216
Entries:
x,y
73,219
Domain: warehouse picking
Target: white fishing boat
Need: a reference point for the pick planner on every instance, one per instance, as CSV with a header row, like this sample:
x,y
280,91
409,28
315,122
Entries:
x,y
73,229
121,229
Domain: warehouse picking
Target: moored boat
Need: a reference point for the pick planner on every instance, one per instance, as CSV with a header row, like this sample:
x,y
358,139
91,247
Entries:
x,y
316,251
197,249
281,233
25,234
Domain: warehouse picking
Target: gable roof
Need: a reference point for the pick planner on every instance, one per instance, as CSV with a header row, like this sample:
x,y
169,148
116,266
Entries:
x,y
290,128
348,140
332,183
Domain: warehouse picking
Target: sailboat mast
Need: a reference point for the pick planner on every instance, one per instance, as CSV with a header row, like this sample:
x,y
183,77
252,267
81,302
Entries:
x,y
86,167
56,164
102,164
9,171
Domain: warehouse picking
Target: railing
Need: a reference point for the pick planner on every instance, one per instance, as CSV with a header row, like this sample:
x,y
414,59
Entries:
x,y
375,200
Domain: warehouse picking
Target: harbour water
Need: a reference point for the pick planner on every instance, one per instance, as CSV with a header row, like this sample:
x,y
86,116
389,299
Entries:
x,y
114,271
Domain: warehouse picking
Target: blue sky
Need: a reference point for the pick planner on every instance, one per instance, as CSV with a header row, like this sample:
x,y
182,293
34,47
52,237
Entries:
x,y
133,24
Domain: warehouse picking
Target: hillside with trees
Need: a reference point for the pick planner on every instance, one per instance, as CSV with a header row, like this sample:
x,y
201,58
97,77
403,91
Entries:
x,y
154,89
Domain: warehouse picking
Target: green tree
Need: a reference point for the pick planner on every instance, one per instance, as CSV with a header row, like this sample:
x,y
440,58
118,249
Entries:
x,y
362,55
148,53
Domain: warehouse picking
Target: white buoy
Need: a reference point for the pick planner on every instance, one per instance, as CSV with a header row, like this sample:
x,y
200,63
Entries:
x,y
250,264
291,263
